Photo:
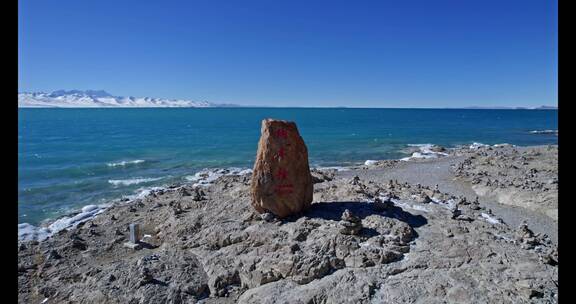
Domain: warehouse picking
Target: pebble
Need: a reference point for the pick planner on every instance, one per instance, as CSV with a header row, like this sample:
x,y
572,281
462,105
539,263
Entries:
x,y
455,212
268,217
53,255
349,217
464,218
183,192
382,204
78,244
199,195
424,199
145,276
294,247
355,180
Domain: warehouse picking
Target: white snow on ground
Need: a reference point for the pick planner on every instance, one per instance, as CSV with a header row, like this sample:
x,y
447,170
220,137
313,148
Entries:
x,y
371,162
491,219
28,232
424,152
207,176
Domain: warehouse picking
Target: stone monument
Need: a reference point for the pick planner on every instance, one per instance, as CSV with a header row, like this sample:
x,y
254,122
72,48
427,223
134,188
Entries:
x,y
281,179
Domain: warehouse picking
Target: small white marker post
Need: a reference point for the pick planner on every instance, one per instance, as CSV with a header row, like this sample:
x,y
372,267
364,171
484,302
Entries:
x,y
134,237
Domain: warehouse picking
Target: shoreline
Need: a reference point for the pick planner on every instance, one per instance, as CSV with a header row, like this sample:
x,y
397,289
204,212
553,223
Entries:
x,y
206,176
203,177
205,244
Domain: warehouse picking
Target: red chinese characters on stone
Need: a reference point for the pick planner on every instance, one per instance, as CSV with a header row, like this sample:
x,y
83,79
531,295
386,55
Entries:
x,y
282,133
282,174
284,189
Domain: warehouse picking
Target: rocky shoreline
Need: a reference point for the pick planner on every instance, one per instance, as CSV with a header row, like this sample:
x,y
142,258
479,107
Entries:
x,y
378,233
526,177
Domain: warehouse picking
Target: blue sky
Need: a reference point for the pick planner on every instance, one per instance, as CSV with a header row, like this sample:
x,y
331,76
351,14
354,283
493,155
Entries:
x,y
296,53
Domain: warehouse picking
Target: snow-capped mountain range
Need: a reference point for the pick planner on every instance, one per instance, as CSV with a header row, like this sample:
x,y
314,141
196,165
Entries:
x,y
101,99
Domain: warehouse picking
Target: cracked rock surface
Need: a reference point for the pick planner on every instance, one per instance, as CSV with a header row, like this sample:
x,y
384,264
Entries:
x,y
525,177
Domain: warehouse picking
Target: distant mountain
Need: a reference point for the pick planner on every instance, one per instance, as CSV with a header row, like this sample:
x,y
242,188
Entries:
x,y
512,108
547,108
102,99
488,108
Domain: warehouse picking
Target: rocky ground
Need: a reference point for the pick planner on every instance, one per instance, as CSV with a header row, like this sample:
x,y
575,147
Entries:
x,y
524,177
402,240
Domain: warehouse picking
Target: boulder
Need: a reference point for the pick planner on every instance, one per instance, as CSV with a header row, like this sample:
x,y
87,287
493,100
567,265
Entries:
x,y
281,179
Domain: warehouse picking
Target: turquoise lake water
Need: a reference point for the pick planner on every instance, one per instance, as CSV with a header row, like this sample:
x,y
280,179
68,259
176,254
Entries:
x,y
68,158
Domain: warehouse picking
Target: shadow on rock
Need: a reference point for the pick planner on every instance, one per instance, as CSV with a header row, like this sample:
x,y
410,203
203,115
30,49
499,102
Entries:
x,y
333,211
147,245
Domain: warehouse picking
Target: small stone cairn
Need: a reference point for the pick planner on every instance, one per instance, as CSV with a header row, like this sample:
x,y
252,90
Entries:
x,y
476,204
526,237
351,224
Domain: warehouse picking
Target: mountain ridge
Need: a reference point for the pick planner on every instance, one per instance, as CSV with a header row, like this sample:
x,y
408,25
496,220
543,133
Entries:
x,y
103,99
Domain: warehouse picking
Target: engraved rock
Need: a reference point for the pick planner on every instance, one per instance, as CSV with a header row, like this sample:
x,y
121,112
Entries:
x,y
281,179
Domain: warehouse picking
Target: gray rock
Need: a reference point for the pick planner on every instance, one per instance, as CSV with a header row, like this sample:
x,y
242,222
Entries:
x,y
183,192
218,252
349,217
145,276
355,180
268,217
526,237
199,194
53,255
383,204
424,199
351,224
